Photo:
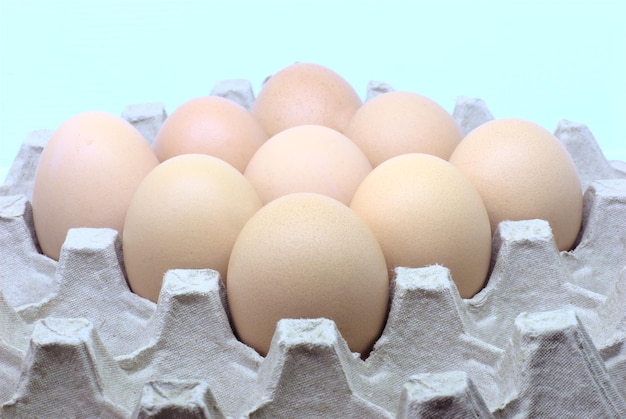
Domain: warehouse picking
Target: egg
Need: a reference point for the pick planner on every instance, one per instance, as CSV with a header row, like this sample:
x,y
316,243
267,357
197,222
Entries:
x,y
305,94
308,158
211,125
399,122
185,214
523,172
306,255
424,211
86,176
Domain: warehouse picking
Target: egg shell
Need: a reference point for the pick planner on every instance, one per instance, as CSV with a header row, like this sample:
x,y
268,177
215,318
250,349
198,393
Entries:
x,y
304,94
308,158
423,211
523,172
400,122
306,255
186,213
86,176
211,125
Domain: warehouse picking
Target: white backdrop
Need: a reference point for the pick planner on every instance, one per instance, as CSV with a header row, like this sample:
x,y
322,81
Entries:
x,y
543,61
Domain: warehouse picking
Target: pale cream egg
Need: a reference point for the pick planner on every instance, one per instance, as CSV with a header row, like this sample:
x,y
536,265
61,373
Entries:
x,y
424,211
185,214
308,158
399,122
523,172
306,255
86,176
211,125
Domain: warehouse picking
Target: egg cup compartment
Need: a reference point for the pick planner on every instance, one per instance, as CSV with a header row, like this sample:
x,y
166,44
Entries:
x,y
546,337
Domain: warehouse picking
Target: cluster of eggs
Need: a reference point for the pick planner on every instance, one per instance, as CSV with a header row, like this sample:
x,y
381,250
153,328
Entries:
x,y
306,203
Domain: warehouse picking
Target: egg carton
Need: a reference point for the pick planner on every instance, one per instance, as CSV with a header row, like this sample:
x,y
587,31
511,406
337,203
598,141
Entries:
x,y
546,337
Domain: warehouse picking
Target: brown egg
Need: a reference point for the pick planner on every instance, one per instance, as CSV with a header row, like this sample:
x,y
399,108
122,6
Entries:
x,y
423,211
211,125
308,158
305,94
306,255
86,176
186,214
397,123
523,172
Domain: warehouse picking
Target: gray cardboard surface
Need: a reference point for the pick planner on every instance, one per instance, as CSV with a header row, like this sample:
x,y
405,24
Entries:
x,y
546,337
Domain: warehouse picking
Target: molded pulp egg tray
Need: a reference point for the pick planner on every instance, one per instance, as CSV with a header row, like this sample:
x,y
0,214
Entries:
x,y
545,338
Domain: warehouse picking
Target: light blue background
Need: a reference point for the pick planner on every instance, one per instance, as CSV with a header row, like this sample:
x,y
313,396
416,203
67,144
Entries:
x,y
539,60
